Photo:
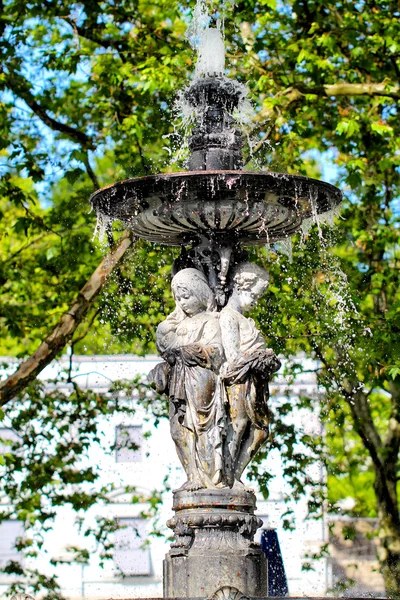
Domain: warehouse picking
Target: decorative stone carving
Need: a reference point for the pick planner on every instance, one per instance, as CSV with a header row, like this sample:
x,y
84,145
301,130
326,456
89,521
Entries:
x,y
246,370
214,532
183,536
214,260
190,342
227,592
216,372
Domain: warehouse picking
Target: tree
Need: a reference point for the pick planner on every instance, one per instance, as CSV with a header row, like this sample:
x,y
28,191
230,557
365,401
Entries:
x,y
319,66
46,464
91,85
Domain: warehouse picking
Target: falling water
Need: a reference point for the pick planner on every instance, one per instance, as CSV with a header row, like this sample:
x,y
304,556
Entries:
x,y
285,246
103,224
339,295
208,42
327,218
211,53
199,23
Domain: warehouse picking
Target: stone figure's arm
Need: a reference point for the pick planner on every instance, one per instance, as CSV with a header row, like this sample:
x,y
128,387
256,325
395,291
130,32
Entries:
x,y
230,336
207,350
166,333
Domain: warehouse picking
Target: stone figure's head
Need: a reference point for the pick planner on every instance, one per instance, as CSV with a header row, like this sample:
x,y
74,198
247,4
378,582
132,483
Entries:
x,y
249,282
192,293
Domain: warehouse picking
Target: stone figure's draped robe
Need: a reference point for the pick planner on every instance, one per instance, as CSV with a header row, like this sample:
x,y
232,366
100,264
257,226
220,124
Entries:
x,y
194,354
247,377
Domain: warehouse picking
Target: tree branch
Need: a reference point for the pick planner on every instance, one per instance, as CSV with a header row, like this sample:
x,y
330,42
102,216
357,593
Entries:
x,y
352,391
358,403
90,172
354,89
21,88
392,437
289,96
292,95
67,325
90,34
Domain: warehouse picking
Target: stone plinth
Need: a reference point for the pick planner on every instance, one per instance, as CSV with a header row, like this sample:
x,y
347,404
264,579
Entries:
x,y
214,545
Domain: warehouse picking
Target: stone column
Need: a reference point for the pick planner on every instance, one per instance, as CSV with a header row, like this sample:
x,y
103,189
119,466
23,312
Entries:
x,y
214,545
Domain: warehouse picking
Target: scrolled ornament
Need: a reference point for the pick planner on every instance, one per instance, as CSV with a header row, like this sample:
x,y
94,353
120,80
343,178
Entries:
x,y
228,592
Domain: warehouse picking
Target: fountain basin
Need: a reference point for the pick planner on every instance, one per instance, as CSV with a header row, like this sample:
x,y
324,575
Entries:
x,y
247,207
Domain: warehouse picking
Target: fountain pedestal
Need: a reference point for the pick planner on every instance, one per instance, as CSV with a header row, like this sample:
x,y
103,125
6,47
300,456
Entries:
x,y
214,545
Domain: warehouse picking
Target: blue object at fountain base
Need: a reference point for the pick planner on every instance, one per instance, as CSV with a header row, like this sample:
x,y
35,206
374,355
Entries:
x,y
277,581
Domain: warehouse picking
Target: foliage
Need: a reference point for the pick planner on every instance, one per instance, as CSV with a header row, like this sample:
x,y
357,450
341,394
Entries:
x,y
48,463
86,98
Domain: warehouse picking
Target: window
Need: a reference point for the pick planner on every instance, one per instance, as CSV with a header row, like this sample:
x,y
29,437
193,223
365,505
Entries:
x,y
7,436
128,443
9,532
129,555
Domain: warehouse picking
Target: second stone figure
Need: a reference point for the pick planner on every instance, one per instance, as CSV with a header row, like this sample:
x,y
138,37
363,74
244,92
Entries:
x,y
216,373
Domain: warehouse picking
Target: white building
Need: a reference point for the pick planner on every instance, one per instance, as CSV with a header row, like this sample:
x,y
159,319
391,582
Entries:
x,y
137,554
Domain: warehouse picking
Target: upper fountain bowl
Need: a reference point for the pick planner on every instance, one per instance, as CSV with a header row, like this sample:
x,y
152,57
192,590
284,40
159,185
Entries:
x,y
246,207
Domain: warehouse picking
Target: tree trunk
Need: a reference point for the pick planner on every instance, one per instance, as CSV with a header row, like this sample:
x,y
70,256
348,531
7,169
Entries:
x,y
389,554
67,325
384,454
388,528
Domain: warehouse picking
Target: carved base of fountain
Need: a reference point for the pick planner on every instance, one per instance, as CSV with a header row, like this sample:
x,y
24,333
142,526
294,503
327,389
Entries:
x,y
214,545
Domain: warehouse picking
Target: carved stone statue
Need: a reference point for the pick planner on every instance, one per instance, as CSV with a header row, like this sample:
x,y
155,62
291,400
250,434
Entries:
x,y
190,342
216,373
247,369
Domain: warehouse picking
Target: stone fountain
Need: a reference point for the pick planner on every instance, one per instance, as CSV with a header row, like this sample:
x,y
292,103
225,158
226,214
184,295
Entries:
x,y
216,366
